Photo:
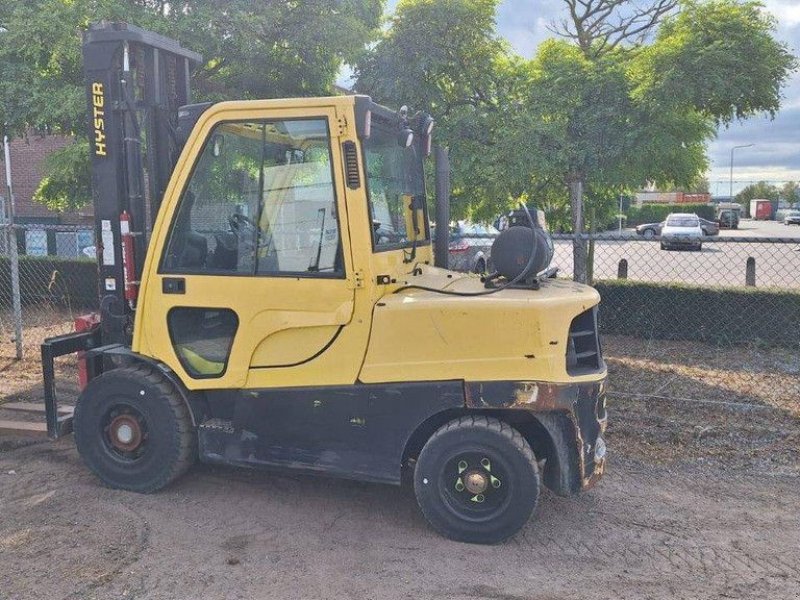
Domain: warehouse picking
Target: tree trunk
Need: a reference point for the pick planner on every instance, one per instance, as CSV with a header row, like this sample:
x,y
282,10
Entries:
x,y
579,272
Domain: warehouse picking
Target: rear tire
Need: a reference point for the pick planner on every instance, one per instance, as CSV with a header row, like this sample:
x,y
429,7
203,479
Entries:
x,y
477,480
133,430
664,246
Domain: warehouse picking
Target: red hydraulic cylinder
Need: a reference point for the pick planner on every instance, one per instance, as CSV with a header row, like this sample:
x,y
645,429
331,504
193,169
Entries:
x,y
128,259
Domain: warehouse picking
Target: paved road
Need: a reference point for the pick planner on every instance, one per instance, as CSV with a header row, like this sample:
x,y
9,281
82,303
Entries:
x,y
719,263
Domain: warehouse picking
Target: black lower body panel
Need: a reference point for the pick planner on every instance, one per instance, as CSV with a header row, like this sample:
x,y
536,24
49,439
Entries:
x,y
354,431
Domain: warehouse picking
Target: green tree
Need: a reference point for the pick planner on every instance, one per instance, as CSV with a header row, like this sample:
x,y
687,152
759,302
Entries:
x,y
444,56
762,189
270,48
700,186
791,192
647,110
622,100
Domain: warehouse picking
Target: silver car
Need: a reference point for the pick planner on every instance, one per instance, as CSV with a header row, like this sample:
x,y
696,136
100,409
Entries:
x,y
682,230
470,247
792,217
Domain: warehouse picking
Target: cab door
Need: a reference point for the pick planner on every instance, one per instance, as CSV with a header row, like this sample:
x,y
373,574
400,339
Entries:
x,y
251,267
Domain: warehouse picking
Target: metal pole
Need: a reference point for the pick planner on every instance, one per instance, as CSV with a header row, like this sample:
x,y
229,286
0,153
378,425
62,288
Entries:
x,y
731,190
619,216
732,149
730,209
441,250
11,237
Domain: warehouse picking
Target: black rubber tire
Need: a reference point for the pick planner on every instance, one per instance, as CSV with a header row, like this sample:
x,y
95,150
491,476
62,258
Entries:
x,y
480,435
649,234
664,246
171,444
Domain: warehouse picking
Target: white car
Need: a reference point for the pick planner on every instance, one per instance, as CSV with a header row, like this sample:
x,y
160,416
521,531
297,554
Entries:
x,y
792,217
682,230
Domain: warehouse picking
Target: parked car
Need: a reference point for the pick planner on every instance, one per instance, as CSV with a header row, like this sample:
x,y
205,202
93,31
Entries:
x,y
471,246
650,230
728,218
792,217
682,230
709,227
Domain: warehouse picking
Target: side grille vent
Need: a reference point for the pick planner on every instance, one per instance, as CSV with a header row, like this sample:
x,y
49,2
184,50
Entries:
x,y
583,346
351,165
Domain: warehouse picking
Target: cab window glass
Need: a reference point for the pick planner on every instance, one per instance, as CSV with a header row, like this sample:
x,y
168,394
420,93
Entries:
x,y
395,180
260,201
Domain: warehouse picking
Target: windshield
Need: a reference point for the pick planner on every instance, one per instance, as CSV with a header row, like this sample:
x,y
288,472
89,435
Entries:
x,y
476,229
683,222
394,174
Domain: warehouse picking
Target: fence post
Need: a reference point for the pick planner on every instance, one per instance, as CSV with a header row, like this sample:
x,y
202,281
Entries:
x,y
15,293
622,269
11,237
750,272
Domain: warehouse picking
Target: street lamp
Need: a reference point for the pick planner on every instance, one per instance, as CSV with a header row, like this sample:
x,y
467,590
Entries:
x,y
732,150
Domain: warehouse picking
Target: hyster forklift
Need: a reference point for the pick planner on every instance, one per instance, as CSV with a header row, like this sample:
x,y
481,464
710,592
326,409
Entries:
x,y
268,298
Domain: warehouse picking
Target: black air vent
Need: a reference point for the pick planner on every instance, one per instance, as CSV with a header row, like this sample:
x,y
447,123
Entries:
x,y
583,347
351,165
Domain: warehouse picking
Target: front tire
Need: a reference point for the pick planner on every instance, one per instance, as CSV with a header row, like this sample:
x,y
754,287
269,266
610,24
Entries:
x,y
649,234
133,430
477,480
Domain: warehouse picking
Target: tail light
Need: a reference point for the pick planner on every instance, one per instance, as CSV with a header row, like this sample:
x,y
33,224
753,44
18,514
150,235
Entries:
x,y
459,246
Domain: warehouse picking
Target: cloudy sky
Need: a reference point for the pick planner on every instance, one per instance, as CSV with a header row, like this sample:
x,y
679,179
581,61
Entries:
x,y
776,154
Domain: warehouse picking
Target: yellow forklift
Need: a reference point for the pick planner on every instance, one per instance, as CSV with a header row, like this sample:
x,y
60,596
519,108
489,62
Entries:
x,y
268,298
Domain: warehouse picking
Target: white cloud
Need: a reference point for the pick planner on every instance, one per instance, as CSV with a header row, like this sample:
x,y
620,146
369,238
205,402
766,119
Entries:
x,y
786,11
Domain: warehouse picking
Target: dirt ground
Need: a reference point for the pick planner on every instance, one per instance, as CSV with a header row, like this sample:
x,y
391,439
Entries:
x,y
700,501
696,527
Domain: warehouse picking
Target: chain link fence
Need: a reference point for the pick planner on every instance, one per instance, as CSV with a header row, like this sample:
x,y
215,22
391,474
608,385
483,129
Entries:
x,y
47,278
715,325
718,325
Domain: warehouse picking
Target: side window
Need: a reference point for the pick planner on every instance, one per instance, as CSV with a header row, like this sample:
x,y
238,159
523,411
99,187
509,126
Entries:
x,y
395,183
260,201
202,338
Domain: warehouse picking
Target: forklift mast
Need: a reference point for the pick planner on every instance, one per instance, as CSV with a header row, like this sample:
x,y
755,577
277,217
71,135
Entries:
x,y
136,81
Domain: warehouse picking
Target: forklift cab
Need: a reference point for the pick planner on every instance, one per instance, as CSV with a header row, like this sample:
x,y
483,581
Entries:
x,y
251,271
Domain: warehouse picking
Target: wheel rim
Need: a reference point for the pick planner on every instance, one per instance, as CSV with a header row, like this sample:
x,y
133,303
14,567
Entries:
x,y
475,485
125,433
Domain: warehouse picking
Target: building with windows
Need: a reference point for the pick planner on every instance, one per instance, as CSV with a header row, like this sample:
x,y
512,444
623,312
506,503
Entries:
x,y
44,232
